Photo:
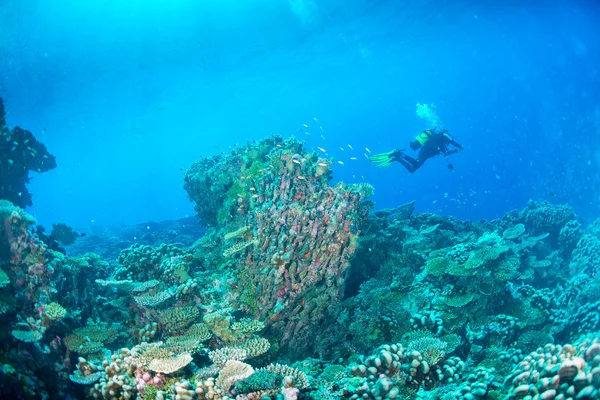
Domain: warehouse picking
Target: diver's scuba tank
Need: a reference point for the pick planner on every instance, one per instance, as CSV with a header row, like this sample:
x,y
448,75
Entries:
x,y
421,139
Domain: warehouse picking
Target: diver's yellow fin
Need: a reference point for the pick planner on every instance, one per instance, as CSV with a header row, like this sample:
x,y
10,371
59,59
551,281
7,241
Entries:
x,y
383,160
385,163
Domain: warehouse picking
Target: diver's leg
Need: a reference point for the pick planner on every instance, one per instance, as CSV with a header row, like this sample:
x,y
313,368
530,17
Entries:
x,y
410,163
407,162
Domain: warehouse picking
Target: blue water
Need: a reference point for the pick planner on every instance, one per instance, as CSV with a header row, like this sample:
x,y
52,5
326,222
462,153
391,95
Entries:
x,y
128,93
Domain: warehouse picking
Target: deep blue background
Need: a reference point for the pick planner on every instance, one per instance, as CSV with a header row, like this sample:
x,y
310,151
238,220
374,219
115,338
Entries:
x,y
127,94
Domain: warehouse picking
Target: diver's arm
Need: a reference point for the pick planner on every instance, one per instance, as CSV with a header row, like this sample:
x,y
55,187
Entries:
x,y
455,144
458,147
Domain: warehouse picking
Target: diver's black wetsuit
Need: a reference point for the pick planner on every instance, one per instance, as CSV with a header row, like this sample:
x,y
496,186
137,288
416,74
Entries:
x,y
436,144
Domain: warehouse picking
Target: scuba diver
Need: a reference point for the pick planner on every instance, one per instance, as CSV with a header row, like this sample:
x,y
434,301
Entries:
x,y
431,143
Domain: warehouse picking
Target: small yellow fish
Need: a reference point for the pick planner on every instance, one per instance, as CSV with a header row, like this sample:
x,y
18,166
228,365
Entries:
x,y
322,164
353,158
278,145
351,148
271,165
296,161
300,177
254,196
322,149
253,189
367,149
341,162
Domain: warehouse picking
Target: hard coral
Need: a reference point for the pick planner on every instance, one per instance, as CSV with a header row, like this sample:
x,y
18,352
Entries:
x,y
20,153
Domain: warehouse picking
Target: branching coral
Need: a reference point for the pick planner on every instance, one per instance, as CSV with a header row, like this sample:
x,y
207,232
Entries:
x,y
55,311
176,318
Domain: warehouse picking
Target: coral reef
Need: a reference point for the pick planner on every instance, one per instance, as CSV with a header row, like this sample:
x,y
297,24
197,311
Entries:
x,y
20,153
294,234
298,289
